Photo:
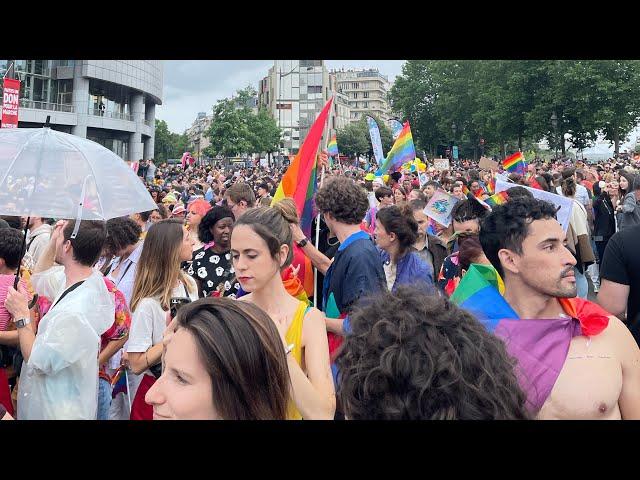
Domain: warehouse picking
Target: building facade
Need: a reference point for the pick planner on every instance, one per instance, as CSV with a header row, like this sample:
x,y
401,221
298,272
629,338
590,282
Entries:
x,y
294,91
111,102
197,134
367,93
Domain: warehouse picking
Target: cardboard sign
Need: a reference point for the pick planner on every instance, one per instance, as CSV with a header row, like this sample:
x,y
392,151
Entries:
x,y
488,164
440,206
441,163
565,204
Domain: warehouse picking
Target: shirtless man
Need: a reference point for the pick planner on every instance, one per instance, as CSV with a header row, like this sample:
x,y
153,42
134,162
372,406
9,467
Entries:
x,y
599,378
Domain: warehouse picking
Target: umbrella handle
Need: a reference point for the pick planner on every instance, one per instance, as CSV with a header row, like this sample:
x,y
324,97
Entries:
x,y
23,251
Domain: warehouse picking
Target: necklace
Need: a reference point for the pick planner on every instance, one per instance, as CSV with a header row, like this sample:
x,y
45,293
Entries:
x,y
333,244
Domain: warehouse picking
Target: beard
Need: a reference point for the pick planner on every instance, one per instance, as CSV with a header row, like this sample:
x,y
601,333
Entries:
x,y
558,288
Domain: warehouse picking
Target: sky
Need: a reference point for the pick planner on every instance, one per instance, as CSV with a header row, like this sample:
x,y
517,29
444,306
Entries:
x,y
192,86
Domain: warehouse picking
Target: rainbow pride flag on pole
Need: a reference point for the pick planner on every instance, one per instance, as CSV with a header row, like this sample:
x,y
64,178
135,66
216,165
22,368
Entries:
x,y
299,183
332,148
515,163
402,151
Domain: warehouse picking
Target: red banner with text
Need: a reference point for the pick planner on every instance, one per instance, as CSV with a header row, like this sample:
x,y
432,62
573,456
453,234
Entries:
x,y
10,101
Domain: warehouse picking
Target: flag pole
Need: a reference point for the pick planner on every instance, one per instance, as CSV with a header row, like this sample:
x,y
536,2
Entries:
x,y
317,243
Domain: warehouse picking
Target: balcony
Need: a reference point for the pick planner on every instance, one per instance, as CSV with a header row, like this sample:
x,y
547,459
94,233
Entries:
x,y
116,115
149,123
54,107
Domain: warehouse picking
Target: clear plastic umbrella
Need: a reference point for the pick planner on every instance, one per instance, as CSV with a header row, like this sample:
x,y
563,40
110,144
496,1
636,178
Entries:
x,y
51,174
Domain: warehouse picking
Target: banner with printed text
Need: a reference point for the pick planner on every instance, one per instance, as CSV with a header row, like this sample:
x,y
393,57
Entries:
x,y
10,103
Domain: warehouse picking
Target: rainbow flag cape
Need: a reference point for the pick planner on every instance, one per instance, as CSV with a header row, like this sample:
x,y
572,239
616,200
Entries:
x,y
402,151
540,346
497,199
299,183
515,163
332,148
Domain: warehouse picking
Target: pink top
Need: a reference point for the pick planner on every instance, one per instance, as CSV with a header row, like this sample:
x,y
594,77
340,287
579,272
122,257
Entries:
x,y
6,281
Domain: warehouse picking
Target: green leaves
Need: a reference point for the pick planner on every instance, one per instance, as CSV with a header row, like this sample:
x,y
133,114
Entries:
x,y
235,130
512,102
168,145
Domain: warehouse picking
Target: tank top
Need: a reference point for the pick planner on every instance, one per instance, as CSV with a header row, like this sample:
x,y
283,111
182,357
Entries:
x,y
294,335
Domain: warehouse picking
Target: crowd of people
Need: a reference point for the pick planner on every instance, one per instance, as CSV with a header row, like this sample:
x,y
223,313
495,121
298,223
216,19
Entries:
x,y
207,307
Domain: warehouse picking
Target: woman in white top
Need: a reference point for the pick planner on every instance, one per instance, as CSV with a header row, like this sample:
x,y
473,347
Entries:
x,y
158,279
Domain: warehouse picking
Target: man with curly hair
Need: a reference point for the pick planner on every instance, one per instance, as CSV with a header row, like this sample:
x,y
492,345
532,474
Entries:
x,y
356,269
575,360
412,356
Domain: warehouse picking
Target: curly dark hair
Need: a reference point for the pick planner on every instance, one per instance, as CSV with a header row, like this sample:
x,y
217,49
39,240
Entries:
x,y
468,209
343,199
518,191
508,225
121,233
412,356
210,218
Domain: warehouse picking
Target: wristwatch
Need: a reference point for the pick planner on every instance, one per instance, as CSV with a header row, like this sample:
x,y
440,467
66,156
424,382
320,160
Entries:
x,y
302,242
22,322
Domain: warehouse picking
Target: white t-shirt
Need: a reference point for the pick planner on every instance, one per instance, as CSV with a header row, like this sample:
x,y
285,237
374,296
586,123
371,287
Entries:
x,y
149,320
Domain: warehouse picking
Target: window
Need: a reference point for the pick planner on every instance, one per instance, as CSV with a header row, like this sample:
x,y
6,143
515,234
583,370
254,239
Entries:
x,y
355,95
355,85
314,89
365,94
365,104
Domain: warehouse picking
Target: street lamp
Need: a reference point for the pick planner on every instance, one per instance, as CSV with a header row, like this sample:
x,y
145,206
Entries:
x,y
554,124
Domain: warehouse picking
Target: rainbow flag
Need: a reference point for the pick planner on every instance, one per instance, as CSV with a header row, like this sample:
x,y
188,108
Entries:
x,y
539,346
491,187
515,163
119,382
497,199
332,148
402,151
299,183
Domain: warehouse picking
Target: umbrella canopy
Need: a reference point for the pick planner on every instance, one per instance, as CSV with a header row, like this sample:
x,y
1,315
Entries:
x,y
46,173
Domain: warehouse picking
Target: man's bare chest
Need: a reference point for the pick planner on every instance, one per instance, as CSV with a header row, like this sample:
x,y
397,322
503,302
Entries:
x,y
589,384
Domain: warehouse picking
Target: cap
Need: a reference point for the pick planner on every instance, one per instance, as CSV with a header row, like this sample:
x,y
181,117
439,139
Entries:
x,y
370,177
179,209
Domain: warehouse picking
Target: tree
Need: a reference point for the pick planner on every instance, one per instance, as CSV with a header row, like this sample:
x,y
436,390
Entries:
x,y
265,132
229,131
167,144
352,140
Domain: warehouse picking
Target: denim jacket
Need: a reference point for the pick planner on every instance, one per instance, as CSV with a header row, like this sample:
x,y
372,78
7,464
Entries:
x,y
411,270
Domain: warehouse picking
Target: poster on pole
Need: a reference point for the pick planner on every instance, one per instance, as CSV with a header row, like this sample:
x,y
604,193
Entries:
x,y
10,103
440,207
441,163
376,141
488,164
564,204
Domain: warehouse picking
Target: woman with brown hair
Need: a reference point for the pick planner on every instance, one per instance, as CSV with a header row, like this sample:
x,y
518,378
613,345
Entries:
x,y
226,361
261,246
158,279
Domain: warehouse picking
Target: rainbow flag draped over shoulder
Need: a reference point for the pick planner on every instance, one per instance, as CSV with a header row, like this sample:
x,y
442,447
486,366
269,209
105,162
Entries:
x,y
402,151
332,148
540,346
515,163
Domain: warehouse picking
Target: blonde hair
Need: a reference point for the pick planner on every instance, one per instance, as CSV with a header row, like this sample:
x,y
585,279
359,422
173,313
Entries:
x,y
287,208
159,265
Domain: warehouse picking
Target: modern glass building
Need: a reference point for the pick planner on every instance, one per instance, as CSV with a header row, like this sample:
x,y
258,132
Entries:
x,y
111,102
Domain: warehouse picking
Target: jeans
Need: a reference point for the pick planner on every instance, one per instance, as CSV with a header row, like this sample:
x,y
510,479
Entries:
x,y
581,283
104,399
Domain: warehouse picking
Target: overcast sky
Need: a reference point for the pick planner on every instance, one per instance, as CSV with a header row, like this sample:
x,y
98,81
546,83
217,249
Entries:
x,y
192,86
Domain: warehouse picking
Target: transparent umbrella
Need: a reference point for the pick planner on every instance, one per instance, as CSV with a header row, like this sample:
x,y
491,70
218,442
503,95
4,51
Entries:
x,y
51,174
46,173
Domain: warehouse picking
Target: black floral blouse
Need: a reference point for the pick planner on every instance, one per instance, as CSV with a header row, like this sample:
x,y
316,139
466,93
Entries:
x,y
215,273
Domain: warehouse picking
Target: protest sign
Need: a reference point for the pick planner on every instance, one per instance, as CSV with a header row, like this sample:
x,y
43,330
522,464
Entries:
x,y
440,206
488,164
441,163
565,204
